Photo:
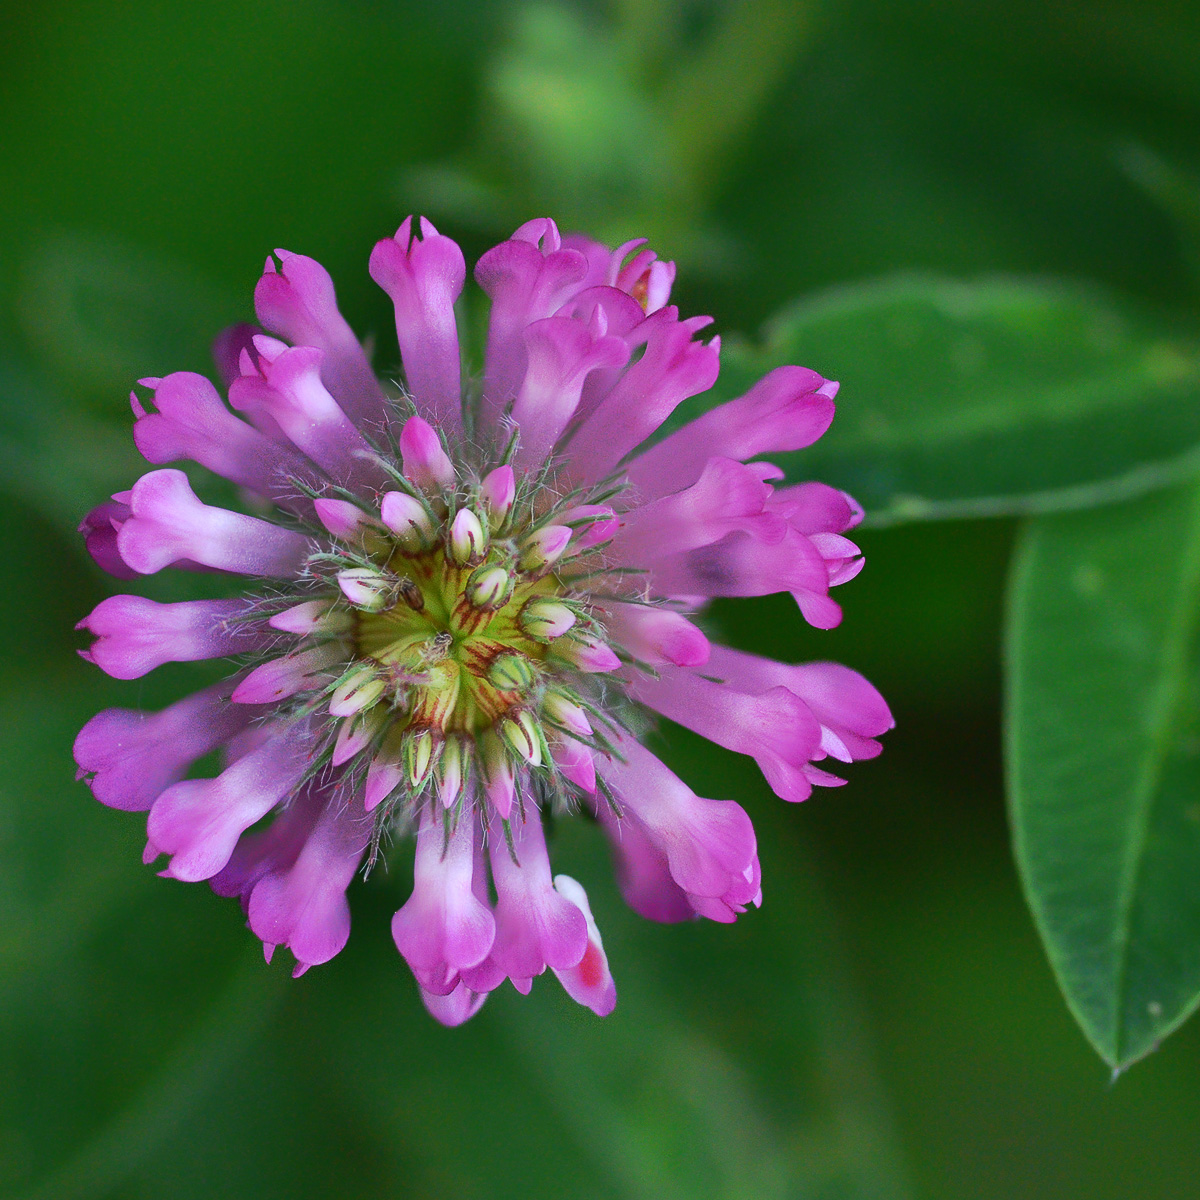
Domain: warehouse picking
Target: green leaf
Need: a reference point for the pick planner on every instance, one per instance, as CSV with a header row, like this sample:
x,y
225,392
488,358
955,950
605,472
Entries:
x,y
104,313
1104,760
1177,192
984,398
54,457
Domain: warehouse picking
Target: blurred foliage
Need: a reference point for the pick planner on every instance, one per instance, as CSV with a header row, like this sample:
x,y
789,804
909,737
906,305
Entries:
x,y
981,218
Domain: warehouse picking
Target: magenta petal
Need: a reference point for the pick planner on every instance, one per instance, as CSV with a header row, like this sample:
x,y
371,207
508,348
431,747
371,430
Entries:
x,y
788,409
167,522
635,271
443,927
192,421
303,905
135,635
382,777
672,368
727,498
129,758
587,981
292,396
642,873
344,520
709,844
424,277
560,354
425,461
298,303
851,711
100,528
741,565
282,677
657,636
455,1008
576,762
273,849
199,821
816,508
528,278
776,727
535,926
228,347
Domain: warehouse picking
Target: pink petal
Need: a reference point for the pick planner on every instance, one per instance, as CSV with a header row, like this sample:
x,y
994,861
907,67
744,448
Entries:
x,y
727,498
129,758
560,354
199,821
443,927
589,981
303,905
298,303
788,409
776,727
424,277
456,1007
192,421
672,368
292,397
535,926
527,278
656,636
135,635
167,522
425,462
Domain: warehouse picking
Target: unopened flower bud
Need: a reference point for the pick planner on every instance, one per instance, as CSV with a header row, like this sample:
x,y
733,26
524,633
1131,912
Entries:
x,y
453,770
589,653
539,550
424,460
497,492
367,589
489,587
420,755
383,775
313,616
344,520
566,713
511,672
593,524
544,620
355,734
520,733
355,693
498,779
468,542
409,520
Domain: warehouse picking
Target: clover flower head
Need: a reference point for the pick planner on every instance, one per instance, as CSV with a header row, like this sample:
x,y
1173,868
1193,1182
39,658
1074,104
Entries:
x,y
465,596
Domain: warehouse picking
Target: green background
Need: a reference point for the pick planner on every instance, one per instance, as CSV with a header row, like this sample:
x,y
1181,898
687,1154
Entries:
x,y
887,1025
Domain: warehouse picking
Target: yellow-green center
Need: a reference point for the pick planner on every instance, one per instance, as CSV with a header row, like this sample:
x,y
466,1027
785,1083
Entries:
x,y
437,650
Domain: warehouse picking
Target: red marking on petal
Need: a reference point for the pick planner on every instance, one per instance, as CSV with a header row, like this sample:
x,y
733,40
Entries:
x,y
591,966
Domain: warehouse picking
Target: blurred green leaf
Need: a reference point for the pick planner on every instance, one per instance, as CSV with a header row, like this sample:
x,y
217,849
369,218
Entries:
x,y
104,313
986,398
1177,192
1104,760
621,128
711,98
56,458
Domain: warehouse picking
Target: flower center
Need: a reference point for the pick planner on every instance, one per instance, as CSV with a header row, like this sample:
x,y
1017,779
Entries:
x,y
461,645
459,642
